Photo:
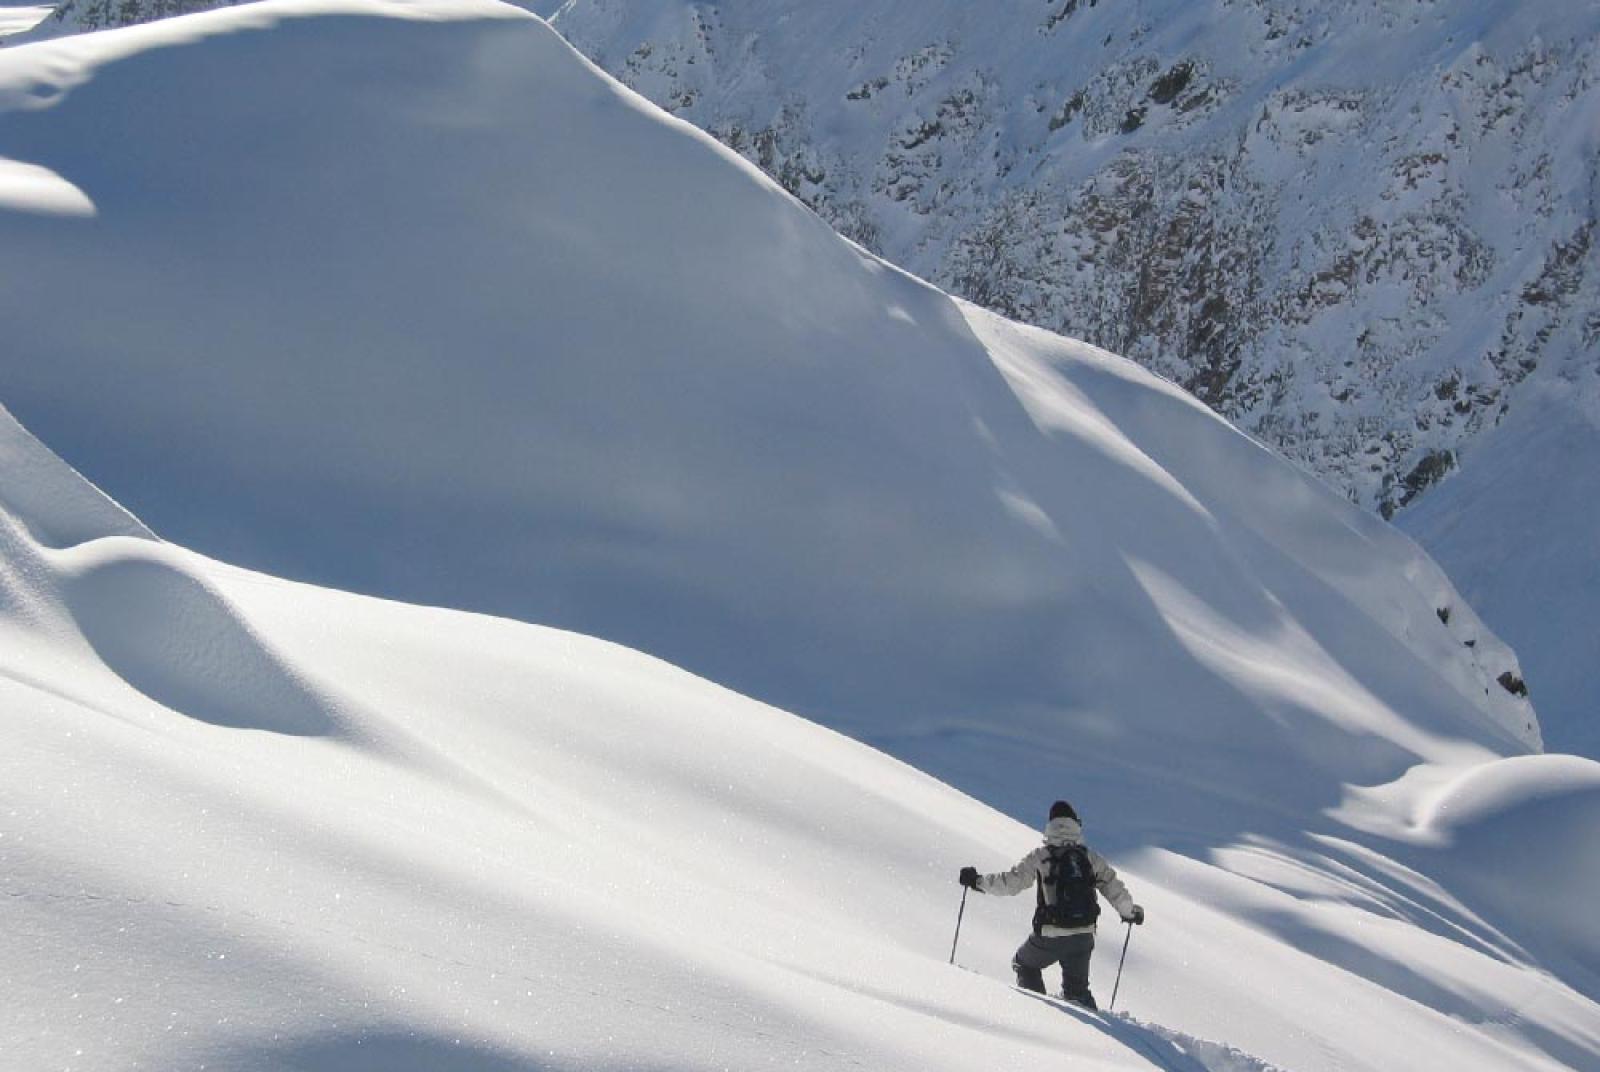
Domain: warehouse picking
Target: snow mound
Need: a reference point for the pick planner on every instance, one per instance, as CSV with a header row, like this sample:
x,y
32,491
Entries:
x,y
202,658
27,188
86,574
1519,837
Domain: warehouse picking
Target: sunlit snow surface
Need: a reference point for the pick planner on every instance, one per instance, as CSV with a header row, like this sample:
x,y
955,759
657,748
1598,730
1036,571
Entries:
x,y
28,188
16,20
414,300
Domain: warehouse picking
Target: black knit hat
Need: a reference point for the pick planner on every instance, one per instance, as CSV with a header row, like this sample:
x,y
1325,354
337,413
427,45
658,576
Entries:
x,y
1061,809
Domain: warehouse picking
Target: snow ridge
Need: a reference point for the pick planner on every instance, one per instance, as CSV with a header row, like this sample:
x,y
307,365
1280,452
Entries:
x,y
1360,230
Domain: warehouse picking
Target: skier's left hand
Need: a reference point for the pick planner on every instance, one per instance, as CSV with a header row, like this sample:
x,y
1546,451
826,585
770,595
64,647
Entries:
x,y
1136,917
969,877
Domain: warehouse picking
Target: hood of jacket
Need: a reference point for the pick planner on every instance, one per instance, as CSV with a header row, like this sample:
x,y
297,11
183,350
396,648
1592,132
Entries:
x,y
1063,831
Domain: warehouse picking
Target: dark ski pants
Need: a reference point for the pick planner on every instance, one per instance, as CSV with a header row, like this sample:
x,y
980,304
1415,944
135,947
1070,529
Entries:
x,y
1071,951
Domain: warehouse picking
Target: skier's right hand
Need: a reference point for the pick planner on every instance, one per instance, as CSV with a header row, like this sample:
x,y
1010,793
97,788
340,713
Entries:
x,y
1136,917
969,877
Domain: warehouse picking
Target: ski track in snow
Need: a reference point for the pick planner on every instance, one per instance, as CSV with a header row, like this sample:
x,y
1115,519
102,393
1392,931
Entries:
x,y
1212,1056
1166,1048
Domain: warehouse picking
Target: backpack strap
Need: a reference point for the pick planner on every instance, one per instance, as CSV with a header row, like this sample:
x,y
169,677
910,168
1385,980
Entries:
x,y
1052,870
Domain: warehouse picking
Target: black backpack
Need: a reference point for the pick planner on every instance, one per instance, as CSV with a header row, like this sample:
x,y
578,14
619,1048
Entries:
x,y
1070,876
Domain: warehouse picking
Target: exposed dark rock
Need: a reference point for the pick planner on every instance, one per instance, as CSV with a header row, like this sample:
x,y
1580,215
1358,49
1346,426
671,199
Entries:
x,y
1069,111
1165,90
1512,684
1433,467
866,89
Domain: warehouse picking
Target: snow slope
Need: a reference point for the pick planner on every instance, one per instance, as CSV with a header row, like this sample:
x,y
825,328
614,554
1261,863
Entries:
x,y
505,338
414,300
1519,531
1361,229
249,824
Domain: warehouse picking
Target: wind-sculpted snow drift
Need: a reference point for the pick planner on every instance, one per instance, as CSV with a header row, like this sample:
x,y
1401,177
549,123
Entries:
x,y
409,298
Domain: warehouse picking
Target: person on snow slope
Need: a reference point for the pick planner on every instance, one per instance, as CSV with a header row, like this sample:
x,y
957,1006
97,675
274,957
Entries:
x,y
1066,874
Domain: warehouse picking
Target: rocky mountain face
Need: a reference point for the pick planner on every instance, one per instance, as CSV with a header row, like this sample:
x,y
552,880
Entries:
x,y
1353,228
1363,230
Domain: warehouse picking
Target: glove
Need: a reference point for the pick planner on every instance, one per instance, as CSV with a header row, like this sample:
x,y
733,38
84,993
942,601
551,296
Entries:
x,y
1136,917
969,877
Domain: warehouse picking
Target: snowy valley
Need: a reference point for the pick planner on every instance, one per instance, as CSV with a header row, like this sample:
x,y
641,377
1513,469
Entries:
x,y
723,590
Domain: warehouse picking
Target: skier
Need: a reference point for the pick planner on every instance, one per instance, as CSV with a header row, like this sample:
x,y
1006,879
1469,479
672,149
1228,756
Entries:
x,y
1066,873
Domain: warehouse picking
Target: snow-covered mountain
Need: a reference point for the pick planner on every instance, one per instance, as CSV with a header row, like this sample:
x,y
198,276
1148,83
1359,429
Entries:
x,y
409,298
393,341
1362,230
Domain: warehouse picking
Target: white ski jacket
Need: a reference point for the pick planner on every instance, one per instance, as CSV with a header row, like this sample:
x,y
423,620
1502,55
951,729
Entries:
x,y
1031,869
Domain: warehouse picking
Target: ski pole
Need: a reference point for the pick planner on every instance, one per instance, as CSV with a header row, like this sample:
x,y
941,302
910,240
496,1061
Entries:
x,y
959,914
1120,963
